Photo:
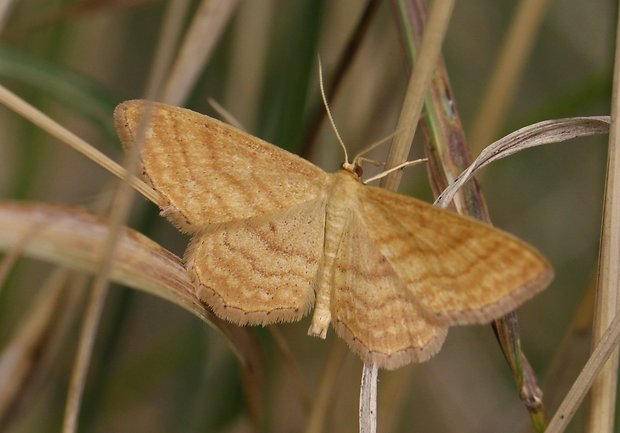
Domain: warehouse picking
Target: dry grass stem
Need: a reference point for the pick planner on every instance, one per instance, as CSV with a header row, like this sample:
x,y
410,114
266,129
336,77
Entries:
x,y
84,354
602,409
571,353
327,388
247,73
430,50
393,397
21,359
606,345
10,258
421,77
5,11
292,366
446,146
448,155
118,215
75,239
226,115
548,131
368,399
18,105
172,28
204,32
345,61
507,72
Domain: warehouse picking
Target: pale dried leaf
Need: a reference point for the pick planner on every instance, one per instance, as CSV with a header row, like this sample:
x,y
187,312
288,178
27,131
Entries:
x,y
548,131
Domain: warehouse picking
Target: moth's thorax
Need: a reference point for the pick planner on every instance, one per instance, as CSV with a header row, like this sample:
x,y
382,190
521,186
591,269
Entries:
x,y
342,191
342,201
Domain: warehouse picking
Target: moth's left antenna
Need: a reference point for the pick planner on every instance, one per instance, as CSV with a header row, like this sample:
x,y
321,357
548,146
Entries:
x,y
329,115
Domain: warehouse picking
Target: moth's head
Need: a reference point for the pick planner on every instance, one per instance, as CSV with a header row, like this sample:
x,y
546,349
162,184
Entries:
x,y
355,168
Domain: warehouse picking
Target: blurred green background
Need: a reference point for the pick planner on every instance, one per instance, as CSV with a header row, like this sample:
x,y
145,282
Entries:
x,y
157,368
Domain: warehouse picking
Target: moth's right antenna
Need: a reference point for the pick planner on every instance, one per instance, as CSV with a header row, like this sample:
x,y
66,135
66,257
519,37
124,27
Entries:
x,y
329,115
372,146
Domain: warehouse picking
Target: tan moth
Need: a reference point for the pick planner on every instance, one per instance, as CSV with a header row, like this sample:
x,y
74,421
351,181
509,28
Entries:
x,y
275,236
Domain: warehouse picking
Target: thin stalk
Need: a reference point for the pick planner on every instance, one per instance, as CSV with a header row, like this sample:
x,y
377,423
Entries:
x,y
207,26
324,395
602,407
171,29
448,156
368,399
507,72
344,63
419,81
607,344
21,107
119,212
430,51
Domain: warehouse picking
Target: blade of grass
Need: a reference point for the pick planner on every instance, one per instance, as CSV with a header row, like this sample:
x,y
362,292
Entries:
x,y
571,354
430,50
5,11
75,239
289,72
71,89
507,72
448,155
446,150
508,334
602,409
293,367
207,27
15,103
120,207
325,391
606,345
417,89
172,27
345,60
21,356
545,132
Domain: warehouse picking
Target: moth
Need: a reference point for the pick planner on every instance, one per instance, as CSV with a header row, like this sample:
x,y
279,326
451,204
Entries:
x,y
274,236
